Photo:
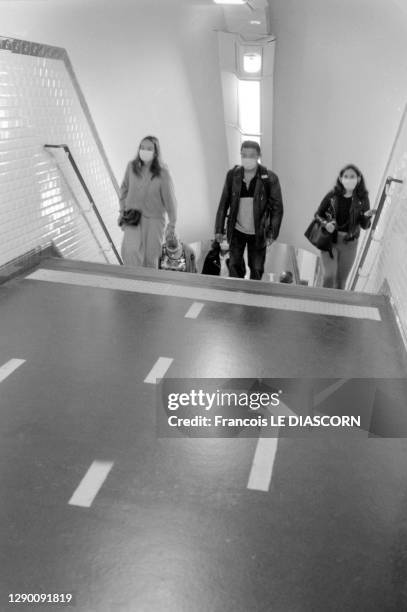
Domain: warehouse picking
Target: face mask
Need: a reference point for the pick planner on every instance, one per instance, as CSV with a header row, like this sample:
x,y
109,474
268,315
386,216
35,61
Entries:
x,y
146,155
349,184
248,163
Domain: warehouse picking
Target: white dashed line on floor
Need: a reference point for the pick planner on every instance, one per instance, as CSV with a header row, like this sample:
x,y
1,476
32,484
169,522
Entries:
x,y
194,311
263,462
91,484
9,367
158,370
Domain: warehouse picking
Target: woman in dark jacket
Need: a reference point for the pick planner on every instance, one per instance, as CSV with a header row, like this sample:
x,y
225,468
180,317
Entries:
x,y
342,212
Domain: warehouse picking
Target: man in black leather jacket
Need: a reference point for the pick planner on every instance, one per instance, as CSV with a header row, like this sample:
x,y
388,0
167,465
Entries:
x,y
252,201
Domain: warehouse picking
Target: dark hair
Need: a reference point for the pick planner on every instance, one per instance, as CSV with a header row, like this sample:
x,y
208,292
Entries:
x,y
156,164
360,189
251,144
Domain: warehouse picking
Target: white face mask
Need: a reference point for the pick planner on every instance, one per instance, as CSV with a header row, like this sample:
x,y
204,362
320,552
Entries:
x,y
349,183
146,155
248,163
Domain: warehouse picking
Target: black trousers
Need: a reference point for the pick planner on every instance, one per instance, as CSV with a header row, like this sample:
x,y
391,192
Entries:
x,y
255,256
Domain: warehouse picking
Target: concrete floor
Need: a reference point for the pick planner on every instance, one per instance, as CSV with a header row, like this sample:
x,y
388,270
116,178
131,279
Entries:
x,y
174,527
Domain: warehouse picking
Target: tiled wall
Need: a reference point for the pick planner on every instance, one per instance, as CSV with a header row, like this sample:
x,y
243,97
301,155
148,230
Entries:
x,y
40,103
388,273
385,268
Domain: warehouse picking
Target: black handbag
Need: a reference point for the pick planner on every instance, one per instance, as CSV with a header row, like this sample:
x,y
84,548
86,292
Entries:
x,y
318,236
212,263
130,217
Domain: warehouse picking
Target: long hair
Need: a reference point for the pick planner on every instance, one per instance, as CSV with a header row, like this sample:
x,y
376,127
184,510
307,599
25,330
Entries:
x,y
360,190
156,164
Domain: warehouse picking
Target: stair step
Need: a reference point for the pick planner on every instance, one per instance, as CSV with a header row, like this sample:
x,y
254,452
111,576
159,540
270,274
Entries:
x,y
220,283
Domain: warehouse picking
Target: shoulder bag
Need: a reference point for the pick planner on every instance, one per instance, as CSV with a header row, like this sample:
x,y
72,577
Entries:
x,y
130,217
318,236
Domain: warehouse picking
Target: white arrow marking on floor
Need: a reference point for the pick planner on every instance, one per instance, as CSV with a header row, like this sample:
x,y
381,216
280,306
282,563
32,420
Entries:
x,y
9,367
158,370
194,311
90,484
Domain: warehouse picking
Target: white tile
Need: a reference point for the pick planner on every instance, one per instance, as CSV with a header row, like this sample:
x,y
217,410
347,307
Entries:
x,y
29,85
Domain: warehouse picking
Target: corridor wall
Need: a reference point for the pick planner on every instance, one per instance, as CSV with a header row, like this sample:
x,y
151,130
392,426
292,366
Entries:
x,y
384,269
149,66
340,86
40,105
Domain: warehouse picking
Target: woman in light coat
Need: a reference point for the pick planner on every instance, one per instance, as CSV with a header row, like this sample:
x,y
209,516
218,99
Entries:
x,y
147,186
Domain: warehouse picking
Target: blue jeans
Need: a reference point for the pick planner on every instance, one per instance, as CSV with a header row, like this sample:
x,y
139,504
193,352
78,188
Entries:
x,y
255,256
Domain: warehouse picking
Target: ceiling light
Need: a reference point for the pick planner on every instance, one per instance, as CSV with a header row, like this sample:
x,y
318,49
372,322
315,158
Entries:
x,y
255,22
230,1
252,62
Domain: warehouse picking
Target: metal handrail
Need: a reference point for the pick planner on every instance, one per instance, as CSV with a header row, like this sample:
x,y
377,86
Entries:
x,y
88,194
375,222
